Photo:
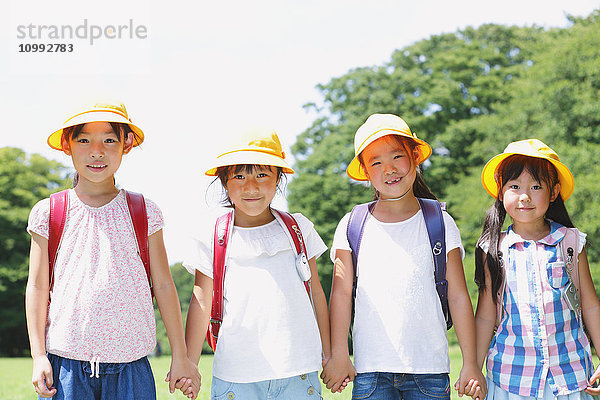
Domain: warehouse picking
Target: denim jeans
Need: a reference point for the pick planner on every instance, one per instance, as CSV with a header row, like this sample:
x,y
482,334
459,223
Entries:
x,y
123,381
305,386
396,386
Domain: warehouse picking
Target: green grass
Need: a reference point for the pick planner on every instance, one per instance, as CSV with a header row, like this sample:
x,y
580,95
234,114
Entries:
x,y
15,382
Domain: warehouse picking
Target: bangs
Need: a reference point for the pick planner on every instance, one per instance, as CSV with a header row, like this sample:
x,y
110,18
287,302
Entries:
x,y
246,168
225,172
541,170
405,143
119,129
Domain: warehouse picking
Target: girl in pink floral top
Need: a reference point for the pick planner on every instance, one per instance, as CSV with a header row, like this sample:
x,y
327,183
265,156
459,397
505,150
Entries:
x,y
92,339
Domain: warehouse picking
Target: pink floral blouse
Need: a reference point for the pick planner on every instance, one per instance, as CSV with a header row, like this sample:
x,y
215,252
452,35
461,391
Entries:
x,y
101,307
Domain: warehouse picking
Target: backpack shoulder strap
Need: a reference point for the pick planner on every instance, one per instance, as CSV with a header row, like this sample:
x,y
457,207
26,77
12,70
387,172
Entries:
x,y
570,247
292,229
436,229
503,261
223,227
354,232
59,203
356,224
139,219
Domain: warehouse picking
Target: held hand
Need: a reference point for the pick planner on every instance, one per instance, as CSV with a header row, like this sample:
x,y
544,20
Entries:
x,y
42,377
593,387
183,384
184,376
471,382
337,373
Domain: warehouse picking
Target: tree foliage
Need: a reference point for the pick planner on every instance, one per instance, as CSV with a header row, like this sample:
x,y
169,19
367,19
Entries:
x,y
468,94
24,180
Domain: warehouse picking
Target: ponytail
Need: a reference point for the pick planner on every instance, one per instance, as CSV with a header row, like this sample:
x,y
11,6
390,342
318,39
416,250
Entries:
x,y
420,188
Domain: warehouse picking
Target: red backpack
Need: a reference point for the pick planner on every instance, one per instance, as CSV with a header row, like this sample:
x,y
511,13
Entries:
x,y
223,228
59,204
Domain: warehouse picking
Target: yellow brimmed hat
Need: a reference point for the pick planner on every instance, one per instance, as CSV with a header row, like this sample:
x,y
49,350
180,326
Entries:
x,y
99,112
530,148
258,147
376,126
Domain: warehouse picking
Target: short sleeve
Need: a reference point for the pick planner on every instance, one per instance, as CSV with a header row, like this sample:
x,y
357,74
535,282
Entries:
x,y
313,242
340,239
453,239
39,218
199,253
155,217
582,240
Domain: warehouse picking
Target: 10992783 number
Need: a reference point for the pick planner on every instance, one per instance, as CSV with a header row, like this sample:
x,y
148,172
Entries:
x,y
46,48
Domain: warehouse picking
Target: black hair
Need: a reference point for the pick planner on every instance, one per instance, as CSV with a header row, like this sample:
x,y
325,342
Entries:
x,y
511,168
224,173
420,188
120,129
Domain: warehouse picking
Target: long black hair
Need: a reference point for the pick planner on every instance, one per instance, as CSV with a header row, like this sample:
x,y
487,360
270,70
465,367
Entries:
x,y
487,248
420,188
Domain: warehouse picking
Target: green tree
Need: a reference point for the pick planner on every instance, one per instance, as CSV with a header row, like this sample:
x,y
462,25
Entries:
x,y
433,84
468,94
24,180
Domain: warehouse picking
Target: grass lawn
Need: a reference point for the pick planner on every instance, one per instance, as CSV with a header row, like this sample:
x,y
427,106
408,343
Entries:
x,y
15,382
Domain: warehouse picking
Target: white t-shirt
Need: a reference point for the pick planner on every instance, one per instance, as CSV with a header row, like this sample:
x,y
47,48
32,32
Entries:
x,y
399,325
269,330
101,306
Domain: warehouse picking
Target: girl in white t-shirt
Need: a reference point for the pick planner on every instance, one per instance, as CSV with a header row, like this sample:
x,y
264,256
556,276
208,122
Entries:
x,y
91,324
270,345
399,334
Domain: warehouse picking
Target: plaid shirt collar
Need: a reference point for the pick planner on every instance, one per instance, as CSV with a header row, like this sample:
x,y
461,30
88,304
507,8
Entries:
x,y
557,233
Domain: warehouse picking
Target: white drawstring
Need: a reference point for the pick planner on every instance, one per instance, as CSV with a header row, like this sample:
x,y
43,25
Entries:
x,y
95,366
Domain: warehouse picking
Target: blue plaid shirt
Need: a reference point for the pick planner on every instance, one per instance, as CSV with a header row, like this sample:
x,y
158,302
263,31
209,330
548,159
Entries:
x,y
539,337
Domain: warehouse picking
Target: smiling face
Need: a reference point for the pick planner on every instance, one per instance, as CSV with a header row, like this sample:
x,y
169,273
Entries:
x,y
389,165
251,191
96,151
526,199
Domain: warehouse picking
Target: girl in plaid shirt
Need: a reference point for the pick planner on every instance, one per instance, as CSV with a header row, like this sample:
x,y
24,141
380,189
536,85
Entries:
x,y
539,349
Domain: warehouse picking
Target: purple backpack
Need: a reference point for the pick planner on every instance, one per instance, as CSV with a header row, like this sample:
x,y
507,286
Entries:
x,y
434,221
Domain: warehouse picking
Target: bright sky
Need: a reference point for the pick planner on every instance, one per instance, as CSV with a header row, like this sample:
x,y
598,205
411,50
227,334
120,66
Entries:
x,y
208,70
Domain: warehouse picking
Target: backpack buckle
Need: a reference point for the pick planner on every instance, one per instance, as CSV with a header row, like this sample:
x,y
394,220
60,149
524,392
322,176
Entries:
x,y
298,233
569,255
437,248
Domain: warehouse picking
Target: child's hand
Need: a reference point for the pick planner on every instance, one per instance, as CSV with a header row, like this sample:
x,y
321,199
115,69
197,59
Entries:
x,y
42,377
593,388
471,382
184,376
337,373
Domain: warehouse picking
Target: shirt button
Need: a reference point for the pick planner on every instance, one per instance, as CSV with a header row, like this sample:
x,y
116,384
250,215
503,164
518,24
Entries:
x,y
230,396
303,377
311,391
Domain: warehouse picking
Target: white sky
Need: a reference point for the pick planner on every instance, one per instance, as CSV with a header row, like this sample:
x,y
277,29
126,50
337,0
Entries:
x,y
209,70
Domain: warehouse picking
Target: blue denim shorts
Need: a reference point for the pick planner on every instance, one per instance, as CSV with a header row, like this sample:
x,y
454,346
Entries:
x,y
396,386
305,386
123,381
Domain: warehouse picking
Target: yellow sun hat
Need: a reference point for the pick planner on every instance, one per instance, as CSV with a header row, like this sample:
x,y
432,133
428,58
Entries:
x,y
531,148
258,147
375,127
99,112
